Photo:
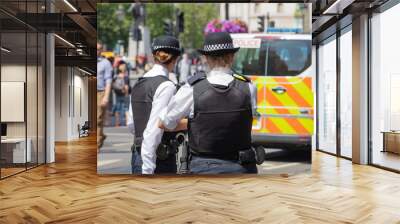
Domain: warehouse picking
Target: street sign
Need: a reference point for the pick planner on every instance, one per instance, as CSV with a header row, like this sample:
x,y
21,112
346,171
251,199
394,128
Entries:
x,y
283,30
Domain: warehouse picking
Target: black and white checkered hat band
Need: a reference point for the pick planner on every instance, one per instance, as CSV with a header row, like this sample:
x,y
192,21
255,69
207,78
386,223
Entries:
x,y
164,47
215,47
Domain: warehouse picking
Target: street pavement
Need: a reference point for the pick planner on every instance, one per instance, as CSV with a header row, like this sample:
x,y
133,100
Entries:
x,y
115,156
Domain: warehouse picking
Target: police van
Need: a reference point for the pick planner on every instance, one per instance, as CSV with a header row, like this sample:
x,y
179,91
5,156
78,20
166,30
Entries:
x,y
280,67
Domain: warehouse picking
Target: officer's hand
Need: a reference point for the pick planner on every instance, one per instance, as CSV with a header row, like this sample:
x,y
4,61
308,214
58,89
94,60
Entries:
x,y
182,125
161,125
104,102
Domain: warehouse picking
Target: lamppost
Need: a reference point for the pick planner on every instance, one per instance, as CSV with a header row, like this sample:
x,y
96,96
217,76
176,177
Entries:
x,y
138,12
226,11
120,13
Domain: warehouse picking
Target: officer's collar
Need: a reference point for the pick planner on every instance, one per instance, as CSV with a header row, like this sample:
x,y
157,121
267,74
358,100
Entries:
x,y
159,69
221,70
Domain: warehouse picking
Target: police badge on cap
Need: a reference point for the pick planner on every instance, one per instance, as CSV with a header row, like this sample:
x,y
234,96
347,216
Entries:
x,y
218,44
168,44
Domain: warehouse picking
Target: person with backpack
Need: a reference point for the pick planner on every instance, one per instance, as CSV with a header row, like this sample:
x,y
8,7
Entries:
x,y
121,90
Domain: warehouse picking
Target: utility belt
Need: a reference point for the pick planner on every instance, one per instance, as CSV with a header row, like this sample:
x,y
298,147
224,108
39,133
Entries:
x,y
163,151
249,156
170,145
167,148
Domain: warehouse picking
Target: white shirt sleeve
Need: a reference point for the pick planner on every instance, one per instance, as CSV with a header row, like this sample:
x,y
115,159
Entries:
x,y
130,122
179,107
152,134
253,95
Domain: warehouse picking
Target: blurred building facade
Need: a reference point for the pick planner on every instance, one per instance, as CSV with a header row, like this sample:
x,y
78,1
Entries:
x,y
276,15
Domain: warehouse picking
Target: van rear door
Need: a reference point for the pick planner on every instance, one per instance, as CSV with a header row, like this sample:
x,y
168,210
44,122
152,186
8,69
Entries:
x,y
284,92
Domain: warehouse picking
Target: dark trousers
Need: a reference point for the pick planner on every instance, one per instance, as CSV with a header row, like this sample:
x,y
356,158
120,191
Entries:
x,y
167,166
203,165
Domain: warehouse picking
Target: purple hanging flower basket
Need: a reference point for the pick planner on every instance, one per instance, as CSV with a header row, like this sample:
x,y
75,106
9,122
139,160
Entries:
x,y
233,26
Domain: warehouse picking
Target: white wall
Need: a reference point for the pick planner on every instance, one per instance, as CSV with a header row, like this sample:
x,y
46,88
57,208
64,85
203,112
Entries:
x,y
80,109
71,102
14,72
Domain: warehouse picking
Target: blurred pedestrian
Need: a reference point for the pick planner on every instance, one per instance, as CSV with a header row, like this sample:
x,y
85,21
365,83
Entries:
x,y
121,90
184,68
104,79
220,107
148,67
201,65
140,65
153,152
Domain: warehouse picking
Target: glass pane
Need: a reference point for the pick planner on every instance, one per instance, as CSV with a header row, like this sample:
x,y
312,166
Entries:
x,y
386,89
32,96
32,86
41,98
22,87
346,94
327,97
13,86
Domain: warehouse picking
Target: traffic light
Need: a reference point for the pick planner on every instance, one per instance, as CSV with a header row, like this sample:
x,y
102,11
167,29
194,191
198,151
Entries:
x,y
261,23
138,13
180,22
167,27
271,24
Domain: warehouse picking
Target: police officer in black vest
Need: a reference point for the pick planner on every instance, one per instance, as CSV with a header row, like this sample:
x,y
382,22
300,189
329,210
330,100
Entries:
x,y
154,151
220,107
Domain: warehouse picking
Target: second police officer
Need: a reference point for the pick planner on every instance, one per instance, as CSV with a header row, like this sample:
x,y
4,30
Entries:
x,y
220,107
149,96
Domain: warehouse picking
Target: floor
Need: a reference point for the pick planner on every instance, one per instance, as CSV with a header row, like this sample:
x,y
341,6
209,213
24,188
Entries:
x,y
5,172
387,159
115,155
10,171
70,191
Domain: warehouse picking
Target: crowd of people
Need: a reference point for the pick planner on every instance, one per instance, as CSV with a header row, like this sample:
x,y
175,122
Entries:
x,y
174,95
125,74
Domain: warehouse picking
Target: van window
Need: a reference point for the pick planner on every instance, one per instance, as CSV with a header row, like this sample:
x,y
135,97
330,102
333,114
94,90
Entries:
x,y
288,57
274,58
251,61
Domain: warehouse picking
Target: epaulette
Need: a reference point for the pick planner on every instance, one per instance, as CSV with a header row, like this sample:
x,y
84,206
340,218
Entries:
x,y
197,77
241,78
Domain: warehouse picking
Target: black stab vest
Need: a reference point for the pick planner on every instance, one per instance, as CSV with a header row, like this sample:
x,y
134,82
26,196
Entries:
x,y
222,121
141,100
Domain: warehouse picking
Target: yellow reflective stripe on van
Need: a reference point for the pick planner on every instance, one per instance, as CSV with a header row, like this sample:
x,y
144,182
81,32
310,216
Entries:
x,y
287,113
283,125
